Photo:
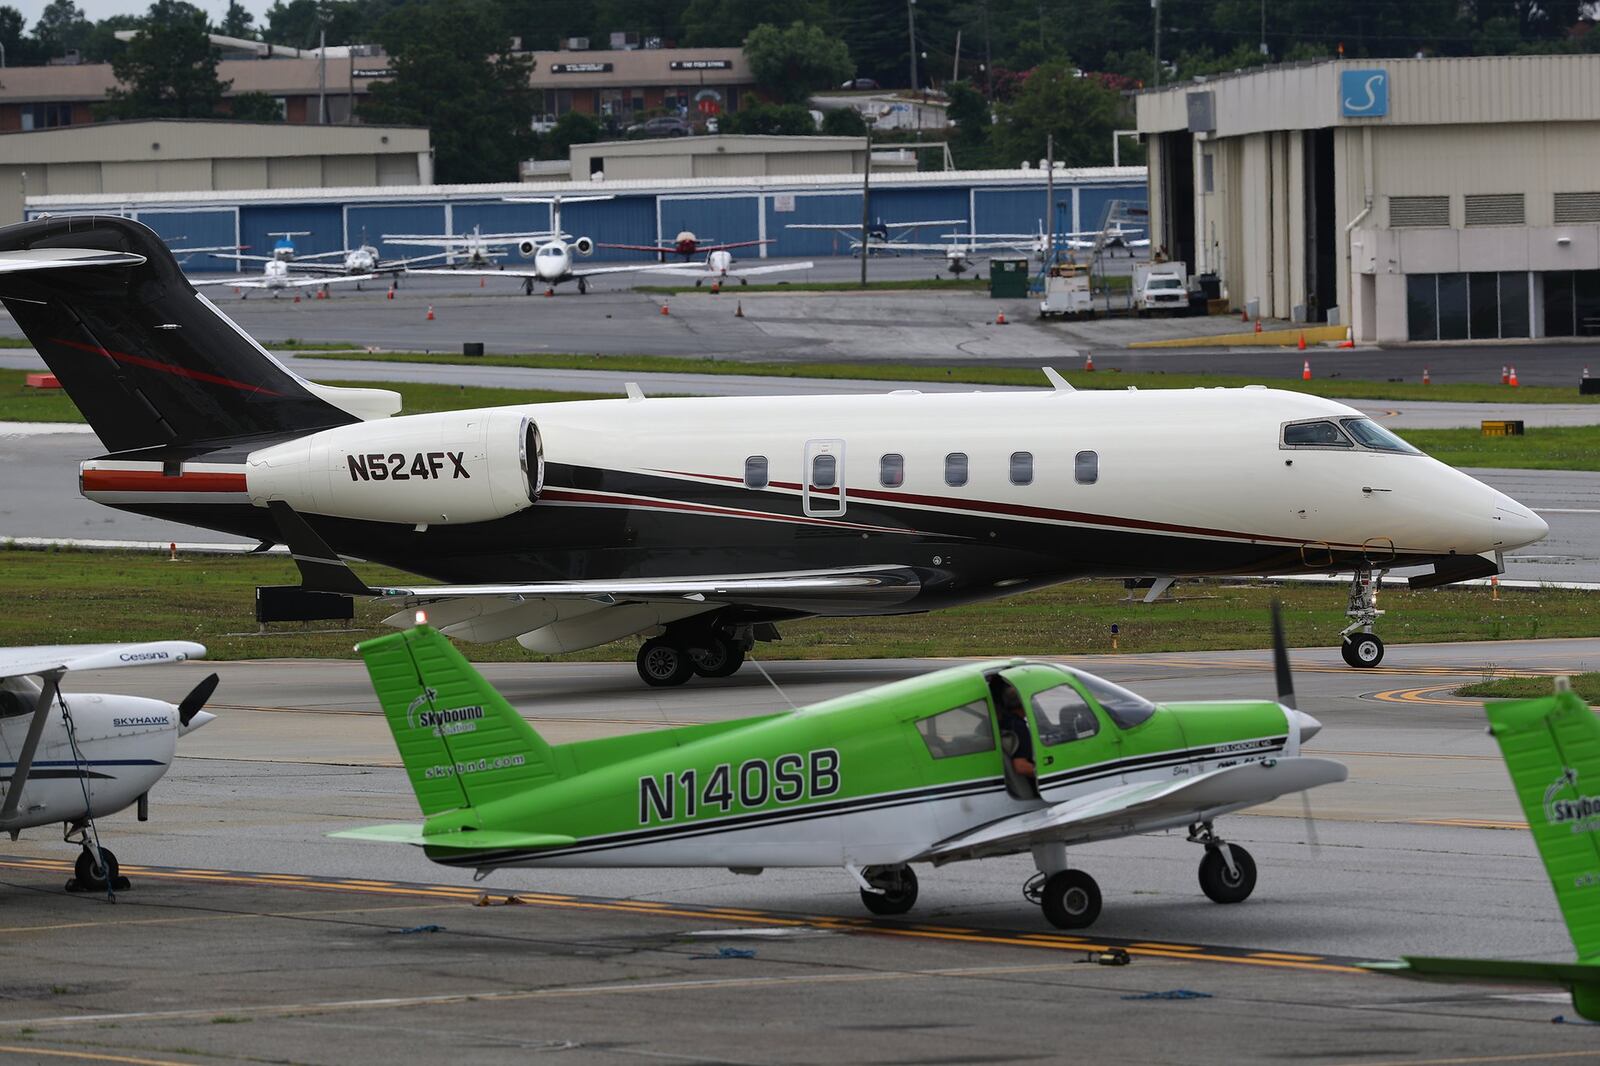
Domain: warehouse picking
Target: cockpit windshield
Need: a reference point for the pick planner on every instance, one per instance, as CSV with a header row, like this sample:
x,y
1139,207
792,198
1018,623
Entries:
x,y
549,250
1319,434
1125,708
1369,434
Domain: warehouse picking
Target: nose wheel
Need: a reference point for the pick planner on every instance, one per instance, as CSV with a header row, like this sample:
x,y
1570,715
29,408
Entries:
x,y
1227,871
94,873
1360,646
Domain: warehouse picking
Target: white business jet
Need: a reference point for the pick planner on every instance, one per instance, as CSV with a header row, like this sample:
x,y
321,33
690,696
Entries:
x,y
74,758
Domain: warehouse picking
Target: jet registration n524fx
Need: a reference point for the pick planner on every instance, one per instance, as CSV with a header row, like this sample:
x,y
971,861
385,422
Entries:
x,y
704,522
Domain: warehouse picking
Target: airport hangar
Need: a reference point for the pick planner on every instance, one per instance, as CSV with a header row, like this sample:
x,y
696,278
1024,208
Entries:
x,y
1412,199
641,211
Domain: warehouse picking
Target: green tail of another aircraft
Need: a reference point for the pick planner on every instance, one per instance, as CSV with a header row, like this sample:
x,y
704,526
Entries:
x,y
462,744
1552,749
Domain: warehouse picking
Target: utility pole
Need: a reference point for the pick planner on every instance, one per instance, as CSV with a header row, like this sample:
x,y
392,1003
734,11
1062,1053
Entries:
x,y
1263,27
322,75
911,31
1050,198
988,57
1155,6
866,206
955,67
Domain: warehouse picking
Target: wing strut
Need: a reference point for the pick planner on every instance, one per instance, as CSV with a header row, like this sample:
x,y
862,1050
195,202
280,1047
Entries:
x,y
30,747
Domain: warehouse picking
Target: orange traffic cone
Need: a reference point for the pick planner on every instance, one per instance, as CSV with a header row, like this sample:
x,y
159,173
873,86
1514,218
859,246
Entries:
x,y
296,297
430,313
716,287
738,311
1305,371
1427,379
391,294
1302,344
1505,374
1244,316
551,291
172,552
1349,338
1000,319
482,282
1258,325
1513,380
1088,362
664,310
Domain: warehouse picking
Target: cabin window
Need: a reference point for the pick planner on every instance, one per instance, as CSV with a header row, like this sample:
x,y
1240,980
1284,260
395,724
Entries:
x,y
955,469
18,695
824,471
1022,468
1318,434
1086,468
963,730
755,472
892,471
1125,708
1062,716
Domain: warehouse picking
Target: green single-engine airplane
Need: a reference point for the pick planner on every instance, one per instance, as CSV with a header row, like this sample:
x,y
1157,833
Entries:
x,y
1550,745
934,769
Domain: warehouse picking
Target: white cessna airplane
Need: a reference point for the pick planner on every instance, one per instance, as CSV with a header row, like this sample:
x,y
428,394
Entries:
x,y
552,253
705,522
720,266
278,275
74,758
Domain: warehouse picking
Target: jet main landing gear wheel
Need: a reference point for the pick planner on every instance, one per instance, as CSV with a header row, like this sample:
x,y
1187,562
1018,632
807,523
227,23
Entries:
x,y
899,895
716,656
1362,650
583,287
663,664
1222,884
1070,899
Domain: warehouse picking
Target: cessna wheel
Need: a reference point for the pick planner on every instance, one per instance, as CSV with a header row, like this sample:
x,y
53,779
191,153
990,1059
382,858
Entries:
x,y
1071,900
583,287
89,872
716,656
662,664
1220,885
1363,650
899,893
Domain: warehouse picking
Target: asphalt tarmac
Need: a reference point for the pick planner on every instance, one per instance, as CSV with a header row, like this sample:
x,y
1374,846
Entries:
x,y
248,932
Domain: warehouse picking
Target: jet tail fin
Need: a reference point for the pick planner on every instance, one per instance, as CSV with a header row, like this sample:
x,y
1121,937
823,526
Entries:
x,y
462,744
1551,747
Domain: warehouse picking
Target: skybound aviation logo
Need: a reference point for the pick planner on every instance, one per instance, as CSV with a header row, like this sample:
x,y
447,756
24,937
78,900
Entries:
x,y
443,723
1581,812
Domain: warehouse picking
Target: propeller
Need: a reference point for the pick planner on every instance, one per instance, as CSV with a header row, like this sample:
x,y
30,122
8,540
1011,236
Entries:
x,y
196,699
1296,720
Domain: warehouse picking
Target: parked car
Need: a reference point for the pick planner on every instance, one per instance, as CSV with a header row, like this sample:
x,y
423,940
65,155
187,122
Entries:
x,y
859,83
661,126
543,123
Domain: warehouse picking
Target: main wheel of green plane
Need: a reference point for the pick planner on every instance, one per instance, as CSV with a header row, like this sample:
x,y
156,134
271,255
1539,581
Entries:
x,y
90,872
899,893
1070,899
1222,886
663,664
1363,650
716,656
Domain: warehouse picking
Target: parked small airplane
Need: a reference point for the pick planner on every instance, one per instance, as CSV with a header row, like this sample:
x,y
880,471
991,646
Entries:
x,y
74,758
282,249
705,522
363,259
881,236
1550,745
686,245
980,760
552,254
720,266
278,275
473,248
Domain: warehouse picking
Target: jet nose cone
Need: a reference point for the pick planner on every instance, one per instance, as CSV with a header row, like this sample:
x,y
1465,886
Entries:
x,y
1309,726
1518,526
199,719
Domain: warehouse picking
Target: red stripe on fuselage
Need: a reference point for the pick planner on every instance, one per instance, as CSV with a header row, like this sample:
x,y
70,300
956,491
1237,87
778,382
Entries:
x,y
165,368
156,481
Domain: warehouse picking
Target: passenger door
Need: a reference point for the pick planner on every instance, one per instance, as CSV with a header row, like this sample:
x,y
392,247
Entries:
x,y
822,478
1075,748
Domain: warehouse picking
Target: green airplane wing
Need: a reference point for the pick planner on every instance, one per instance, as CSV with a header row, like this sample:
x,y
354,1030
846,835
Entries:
x,y
1551,748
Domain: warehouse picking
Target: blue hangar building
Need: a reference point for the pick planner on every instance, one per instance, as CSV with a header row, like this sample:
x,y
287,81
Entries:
x,y
638,212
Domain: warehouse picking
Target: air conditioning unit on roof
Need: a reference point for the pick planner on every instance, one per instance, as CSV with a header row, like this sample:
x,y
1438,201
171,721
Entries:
x,y
577,44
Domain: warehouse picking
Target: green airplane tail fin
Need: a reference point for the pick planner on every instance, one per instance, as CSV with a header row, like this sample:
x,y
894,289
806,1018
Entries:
x,y
1552,750
462,744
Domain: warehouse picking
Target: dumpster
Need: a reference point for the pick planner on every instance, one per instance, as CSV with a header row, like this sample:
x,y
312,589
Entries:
x,y
1008,279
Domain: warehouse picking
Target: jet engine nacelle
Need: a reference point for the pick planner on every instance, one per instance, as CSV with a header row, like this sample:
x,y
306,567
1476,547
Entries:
x,y
527,248
583,246
448,468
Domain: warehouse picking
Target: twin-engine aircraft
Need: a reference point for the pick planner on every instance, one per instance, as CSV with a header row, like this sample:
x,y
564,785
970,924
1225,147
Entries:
x,y
979,760
703,523
686,246
74,758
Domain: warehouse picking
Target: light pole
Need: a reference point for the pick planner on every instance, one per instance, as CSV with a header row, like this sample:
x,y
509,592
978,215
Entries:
x,y
911,32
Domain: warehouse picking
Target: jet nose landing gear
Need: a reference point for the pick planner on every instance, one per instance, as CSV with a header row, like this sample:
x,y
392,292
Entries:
x,y
1361,647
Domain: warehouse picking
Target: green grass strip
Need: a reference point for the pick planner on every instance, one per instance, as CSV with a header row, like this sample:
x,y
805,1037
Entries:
x,y
1526,688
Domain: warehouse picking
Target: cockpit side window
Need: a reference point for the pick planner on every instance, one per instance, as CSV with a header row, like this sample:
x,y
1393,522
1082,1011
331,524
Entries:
x,y
1320,433
1369,434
